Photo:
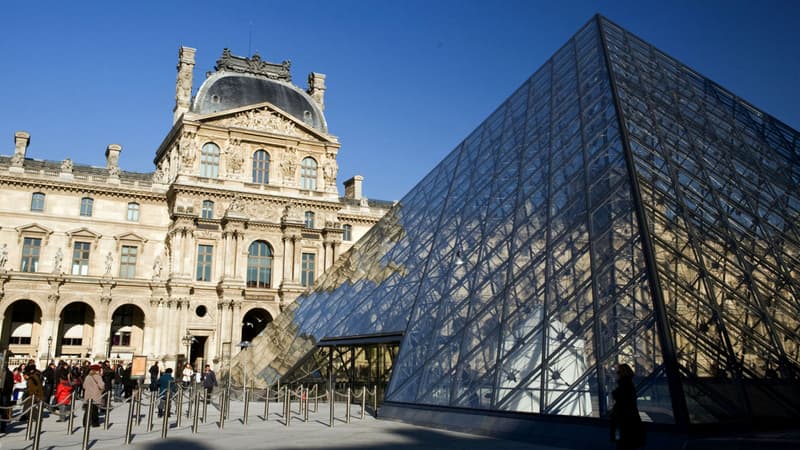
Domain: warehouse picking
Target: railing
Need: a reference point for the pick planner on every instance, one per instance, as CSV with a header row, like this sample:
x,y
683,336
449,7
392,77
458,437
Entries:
x,y
190,402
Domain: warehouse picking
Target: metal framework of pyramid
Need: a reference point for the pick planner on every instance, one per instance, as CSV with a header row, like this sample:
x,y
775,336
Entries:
x,y
618,207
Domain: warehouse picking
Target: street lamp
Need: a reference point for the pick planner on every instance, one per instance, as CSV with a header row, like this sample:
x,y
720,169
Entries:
x,y
187,341
49,343
243,345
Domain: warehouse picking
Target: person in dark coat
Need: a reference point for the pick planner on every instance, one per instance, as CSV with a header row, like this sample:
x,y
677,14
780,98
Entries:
x,y
5,397
209,381
166,386
626,425
49,381
154,373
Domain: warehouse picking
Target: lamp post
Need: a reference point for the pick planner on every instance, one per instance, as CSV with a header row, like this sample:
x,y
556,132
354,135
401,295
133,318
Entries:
x,y
243,345
187,341
49,343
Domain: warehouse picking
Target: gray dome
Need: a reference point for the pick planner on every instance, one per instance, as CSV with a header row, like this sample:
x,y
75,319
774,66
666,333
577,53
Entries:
x,y
226,90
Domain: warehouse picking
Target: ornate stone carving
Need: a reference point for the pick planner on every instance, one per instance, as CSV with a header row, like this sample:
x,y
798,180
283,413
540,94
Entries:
x,y
113,171
236,207
188,148
57,262
109,263
289,166
3,256
254,65
66,166
264,119
235,160
329,171
17,159
157,269
160,175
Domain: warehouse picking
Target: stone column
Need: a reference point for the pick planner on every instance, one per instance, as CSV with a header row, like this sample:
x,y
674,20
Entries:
x,y
102,329
188,253
226,255
149,334
288,254
297,259
177,253
236,323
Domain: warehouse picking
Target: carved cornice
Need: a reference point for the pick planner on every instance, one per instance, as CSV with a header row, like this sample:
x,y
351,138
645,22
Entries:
x,y
254,65
83,188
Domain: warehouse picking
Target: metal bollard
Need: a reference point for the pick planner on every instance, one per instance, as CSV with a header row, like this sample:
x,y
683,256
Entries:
x,y
107,414
205,404
196,417
138,397
222,410
129,425
179,406
38,432
246,405
167,407
266,405
150,412
375,400
347,406
316,398
330,401
71,419
288,406
227,399
87,425
29,424
363,400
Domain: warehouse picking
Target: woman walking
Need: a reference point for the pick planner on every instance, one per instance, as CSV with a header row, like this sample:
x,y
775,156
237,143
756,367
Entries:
x,y
626,425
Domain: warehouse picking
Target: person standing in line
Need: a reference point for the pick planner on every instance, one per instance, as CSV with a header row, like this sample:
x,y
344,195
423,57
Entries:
x,y
154,373
166,386
188,374
209,381
63,392
5,397
49,381
93,388
627,430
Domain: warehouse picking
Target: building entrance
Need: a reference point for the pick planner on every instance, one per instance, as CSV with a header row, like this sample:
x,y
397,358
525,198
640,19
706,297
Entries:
x,y
350,362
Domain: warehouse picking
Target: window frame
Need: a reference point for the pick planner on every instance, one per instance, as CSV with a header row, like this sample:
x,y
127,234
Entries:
x,y
87,207
209,160
204,262
30,254
134,209
308,173
81,252
308,219
258,263
127,268
260,174
207,210
307,269
37,201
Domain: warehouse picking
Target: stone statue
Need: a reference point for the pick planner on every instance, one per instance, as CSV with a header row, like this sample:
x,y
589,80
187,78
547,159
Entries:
x,y
236,205
235,159
329,171
157,269
109,262
187,147
3,256
113,171
17,159
57,261
66,165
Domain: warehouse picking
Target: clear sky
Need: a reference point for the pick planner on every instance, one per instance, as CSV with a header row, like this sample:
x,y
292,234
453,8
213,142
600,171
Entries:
x,y
407,80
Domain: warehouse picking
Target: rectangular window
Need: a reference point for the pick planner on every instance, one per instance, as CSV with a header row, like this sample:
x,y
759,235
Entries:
x,y
80,258
30,255
204,254
20,340
347,232
133,212
307,271
37,201
86,206
71,341
208,209
122,338
127,261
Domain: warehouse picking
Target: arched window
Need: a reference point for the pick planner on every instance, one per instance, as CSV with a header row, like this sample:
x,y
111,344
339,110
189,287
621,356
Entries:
x,y
309,222
347,232
261,167
209,161
259,265
308,174
133,212
208,209
37,201
86,206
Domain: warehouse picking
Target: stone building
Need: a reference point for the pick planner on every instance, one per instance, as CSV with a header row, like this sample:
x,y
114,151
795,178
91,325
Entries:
x,y
240,216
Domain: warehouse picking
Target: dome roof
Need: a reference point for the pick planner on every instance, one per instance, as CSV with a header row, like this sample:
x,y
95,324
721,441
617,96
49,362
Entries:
x,y
225,90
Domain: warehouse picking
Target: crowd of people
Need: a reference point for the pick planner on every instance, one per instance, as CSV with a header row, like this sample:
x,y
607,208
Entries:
x,y
54,385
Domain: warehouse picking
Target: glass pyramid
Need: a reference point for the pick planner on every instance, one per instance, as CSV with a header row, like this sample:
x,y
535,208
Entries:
x,y
618,207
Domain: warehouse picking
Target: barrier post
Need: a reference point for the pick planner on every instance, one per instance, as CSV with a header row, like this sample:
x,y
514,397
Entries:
x,y
246,404
138,397
347,406
167,401
222,410
316,398
129,425
330,403
38,432
150,411
107,414
375,400
363,400
29,416
87,423
71,419
266,405
196,417
205,404
179,405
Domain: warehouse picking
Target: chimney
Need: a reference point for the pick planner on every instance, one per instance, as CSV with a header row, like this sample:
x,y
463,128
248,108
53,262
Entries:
x,y
112,159
21,141
183,85
316,88
352,187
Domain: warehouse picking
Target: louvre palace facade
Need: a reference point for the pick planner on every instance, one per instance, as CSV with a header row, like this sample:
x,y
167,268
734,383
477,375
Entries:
x,y
240,215
618,207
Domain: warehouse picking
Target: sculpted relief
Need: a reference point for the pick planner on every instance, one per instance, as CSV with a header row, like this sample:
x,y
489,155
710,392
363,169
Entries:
x,y
188,148
265,120
235,160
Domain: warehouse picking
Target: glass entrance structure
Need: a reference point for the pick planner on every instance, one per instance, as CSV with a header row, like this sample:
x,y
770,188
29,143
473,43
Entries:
x,y
619,207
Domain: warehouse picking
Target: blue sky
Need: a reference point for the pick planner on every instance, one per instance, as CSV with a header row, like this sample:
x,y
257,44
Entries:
x,y
407,80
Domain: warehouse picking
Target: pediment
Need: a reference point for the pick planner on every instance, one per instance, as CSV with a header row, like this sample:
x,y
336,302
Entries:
x,y
265,117
83,234
129,237
34,228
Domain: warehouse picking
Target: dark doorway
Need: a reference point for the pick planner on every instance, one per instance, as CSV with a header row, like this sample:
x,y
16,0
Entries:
x,y
197,352
254,323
